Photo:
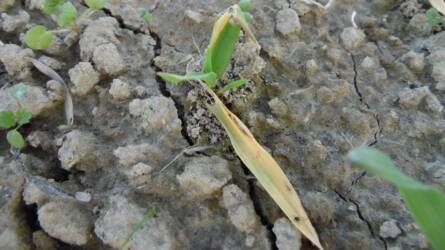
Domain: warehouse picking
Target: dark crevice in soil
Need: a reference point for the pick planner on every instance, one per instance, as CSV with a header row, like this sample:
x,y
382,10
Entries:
x,y
161,83
371,230
362,100
356,180
258,209
357,89
361,217
31,217
165,92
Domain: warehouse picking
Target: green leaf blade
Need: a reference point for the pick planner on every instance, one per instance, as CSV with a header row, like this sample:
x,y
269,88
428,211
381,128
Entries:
x,y
378,163
234,84
38,37
224,47
95,4
15,139
426,203
224,37
210,78
68,13
172,78
23,116
147,215
7,120
428,209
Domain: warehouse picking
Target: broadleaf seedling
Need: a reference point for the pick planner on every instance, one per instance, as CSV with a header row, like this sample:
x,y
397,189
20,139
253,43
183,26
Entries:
x,y
145,14
68,13
14,120
435,18
39,37
225,35
50,6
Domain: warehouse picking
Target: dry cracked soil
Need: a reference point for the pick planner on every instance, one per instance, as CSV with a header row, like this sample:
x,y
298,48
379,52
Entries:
x,y
320,86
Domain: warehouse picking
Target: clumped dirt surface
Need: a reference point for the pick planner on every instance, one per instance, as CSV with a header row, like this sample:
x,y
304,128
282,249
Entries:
x,y
318,88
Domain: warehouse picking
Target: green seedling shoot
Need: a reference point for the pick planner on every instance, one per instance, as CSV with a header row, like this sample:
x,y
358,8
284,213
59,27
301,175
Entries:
x,y
435,19
147,215
225,35
13,121
145,14
67,18
426,203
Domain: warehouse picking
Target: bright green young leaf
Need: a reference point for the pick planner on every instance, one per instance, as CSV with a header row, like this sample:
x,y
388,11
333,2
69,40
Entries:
x,y
51,6
38,37
209,78
432,15
15,139
225,35
68,13
95,4
7,119
147,16
234,84
23,116
245,5
18,91
172,78
426,203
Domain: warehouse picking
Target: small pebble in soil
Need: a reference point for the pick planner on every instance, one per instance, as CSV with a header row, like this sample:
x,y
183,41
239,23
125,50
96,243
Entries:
x,y
288,237
389,229
239,208
203,176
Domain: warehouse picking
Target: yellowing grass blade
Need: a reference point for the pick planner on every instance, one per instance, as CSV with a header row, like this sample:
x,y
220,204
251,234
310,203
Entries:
x,y
439,5
265,168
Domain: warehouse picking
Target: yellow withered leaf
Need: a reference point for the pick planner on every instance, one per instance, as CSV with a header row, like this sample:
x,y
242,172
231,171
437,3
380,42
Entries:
x,y
264,168
439,5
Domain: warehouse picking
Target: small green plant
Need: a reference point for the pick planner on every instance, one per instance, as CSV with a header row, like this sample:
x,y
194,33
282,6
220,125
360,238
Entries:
x,y
435,19
147,215
39,37
225,35
14,120
426,203
145,14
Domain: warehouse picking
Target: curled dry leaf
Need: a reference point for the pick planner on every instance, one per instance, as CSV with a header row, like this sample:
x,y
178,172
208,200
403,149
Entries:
x,y
69,108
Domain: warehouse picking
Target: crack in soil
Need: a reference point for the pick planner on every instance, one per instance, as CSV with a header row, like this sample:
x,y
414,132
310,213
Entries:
x,y
362,217
258,208
161,83
165,92
362,100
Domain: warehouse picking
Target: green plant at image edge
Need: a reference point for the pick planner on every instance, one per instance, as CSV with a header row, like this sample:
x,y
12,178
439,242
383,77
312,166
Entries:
x,y
426,203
